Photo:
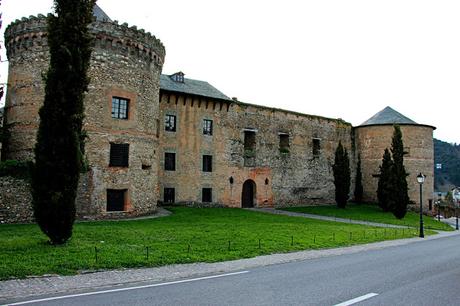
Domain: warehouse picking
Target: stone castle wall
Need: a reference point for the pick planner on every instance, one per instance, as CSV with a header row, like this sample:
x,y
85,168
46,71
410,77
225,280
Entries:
x,y
371,142
126,62
28,57
291,178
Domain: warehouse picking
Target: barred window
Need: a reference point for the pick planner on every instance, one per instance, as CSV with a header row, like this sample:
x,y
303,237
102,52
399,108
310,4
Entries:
x,y
120,108
119,155
207,127
170,123
170,161
207,163
206,195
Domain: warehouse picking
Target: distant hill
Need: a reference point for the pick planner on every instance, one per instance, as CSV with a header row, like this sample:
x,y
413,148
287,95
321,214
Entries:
x,y
448,155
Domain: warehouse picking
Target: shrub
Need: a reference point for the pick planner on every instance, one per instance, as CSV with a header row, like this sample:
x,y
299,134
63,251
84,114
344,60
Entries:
x,y
17,169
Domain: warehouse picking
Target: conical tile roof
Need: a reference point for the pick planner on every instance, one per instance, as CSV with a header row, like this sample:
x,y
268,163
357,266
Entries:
x,y
100,14
388,116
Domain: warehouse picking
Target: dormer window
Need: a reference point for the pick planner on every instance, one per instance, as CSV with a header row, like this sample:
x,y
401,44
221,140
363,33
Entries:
x,y
178,77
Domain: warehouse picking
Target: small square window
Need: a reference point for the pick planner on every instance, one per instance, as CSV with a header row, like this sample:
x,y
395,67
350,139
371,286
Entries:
x,y
120,108
170,123
169,195
316,146
119,155
207,127
170,161
207,195
116,199
207,163
178,77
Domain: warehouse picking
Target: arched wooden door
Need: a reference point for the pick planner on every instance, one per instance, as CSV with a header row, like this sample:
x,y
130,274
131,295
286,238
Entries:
x,y
249,194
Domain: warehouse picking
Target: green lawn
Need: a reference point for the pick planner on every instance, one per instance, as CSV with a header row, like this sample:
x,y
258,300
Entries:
x,y
188,235
372,213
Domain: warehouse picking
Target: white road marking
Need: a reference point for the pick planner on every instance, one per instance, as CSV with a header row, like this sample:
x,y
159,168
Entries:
x,y
127,289
357,300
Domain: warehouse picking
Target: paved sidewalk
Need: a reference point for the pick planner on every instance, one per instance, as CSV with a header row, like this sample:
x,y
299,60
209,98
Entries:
x,y
325,218
43,286
451,221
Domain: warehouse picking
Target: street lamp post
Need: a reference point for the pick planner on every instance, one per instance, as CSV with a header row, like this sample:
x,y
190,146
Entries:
x,y
421,180
456,216
439,209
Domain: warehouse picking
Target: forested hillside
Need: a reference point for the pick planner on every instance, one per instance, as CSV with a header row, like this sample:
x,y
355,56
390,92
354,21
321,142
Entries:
x,y
448,155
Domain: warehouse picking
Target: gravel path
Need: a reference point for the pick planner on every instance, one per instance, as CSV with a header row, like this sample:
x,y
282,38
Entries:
x,y
325,218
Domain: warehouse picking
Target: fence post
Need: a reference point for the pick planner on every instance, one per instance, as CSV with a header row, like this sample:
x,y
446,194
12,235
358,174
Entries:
x,y
229,245
292,240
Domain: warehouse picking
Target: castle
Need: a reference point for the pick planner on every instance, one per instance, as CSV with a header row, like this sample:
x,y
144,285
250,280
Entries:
x,y
157,138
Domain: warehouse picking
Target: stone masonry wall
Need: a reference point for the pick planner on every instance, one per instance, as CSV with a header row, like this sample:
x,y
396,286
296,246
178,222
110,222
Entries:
x,y
15,201
281,179
28,58
121,67
371,142
126,62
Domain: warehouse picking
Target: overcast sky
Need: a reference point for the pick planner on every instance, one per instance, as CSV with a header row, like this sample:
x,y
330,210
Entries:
x,y
340,59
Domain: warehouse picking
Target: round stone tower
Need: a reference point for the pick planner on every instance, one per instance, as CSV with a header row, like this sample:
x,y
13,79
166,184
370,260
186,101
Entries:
x,y
375,135
121,111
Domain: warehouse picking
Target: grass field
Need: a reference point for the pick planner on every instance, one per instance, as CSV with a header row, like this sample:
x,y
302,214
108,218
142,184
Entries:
x,y
372,213
188,235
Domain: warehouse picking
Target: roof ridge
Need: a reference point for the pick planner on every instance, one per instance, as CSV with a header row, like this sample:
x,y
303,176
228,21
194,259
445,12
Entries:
x,y
388,115
191,86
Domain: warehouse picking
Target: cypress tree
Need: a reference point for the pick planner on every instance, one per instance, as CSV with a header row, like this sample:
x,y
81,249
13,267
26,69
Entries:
x,y
385,181
341,169
399,198
358,183
60,140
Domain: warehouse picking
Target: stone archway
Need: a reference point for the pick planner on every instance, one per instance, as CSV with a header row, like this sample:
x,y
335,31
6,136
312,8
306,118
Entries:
x,y
249,194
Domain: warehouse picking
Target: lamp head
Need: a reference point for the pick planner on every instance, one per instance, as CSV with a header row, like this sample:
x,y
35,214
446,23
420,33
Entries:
x,y
420,178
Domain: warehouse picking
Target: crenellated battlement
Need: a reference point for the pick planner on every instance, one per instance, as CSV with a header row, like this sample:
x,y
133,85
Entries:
x,y
30,33
25,34
128,40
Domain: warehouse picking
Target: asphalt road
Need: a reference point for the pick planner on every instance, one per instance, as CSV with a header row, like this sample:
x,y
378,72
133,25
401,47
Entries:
x,y
422,273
